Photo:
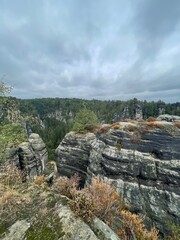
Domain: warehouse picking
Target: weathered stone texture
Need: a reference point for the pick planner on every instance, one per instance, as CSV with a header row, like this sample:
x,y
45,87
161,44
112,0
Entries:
x,y
145,169
31,156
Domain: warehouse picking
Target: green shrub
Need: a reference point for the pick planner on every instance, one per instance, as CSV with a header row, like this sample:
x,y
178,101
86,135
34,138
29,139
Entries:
x,y
85,120
174,232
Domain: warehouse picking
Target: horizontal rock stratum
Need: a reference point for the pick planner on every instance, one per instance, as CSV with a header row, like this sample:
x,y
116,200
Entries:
x,y
142,160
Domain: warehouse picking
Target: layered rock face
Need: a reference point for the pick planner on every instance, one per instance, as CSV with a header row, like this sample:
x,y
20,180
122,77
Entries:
x,y
72,155
31,156
142,160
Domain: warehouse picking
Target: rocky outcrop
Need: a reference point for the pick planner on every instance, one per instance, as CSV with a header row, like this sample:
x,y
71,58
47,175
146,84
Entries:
x,y
63,116
141,159
169,118
31,156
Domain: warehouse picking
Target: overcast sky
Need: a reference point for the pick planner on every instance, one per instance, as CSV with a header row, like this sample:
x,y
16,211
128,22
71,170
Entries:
x,y
93,49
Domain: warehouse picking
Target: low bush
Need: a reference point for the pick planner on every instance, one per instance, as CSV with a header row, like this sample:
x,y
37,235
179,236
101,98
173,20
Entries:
x,y
133,228
151,119
82,205
106,201
66,186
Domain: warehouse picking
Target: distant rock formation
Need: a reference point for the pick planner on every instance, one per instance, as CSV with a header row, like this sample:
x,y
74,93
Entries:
x,y
142,160
31,156
138,112
161,108
125,114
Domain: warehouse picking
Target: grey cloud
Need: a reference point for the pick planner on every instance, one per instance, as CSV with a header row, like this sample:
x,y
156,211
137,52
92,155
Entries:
x,y
106,49
155,21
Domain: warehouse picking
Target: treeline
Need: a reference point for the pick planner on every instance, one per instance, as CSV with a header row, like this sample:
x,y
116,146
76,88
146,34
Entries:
x,y
105,110
52,118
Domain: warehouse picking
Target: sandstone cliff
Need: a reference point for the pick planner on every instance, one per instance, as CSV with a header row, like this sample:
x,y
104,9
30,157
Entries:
x,y
141,159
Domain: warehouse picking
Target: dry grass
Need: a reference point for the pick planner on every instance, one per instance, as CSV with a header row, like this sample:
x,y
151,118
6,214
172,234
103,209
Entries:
x,y
115,125
151,119
140,120
155,124
10,176
9,198
177,124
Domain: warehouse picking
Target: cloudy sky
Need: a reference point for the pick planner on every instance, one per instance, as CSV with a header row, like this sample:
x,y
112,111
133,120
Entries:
x,y
93,49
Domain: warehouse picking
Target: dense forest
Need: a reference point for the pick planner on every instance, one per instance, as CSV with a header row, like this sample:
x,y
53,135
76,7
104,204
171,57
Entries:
x,y
105,110
52,118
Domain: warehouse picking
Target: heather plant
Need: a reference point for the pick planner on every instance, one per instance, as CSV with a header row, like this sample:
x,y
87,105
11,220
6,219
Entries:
x,y
82,205
106,201
133,228
66,186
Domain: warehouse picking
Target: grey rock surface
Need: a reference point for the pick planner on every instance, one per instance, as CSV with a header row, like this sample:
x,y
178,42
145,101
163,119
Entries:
x,y
17,231
31,156
74,228
169,118
103,231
